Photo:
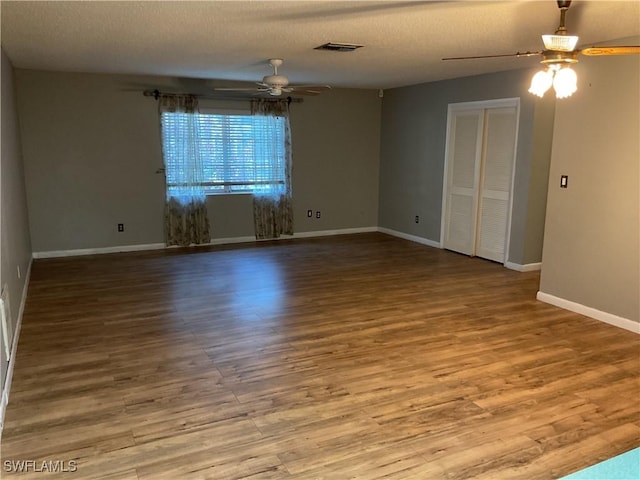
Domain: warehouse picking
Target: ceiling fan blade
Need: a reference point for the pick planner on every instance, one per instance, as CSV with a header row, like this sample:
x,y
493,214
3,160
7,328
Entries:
x,y
311,87
232,89
622,50
306,92
275,85
517,54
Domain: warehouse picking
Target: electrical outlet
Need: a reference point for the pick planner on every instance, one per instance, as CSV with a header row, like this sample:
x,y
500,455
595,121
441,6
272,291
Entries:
x,y
417,218
318,214
121,227
309,213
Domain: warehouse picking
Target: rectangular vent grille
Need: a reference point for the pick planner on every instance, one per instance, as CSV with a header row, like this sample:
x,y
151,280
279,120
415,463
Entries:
x,y
338,47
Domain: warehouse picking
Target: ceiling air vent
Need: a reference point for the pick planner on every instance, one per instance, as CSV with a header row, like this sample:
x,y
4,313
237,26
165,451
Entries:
x,y
338,47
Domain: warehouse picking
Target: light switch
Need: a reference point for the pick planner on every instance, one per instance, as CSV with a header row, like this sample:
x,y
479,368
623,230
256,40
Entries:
x,y
564,181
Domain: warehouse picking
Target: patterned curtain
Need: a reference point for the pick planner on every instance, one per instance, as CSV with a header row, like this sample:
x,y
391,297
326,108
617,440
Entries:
x,y
186,220
272,207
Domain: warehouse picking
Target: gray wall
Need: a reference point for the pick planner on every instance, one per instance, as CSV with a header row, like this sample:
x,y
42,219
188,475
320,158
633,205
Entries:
x,y
15,245
542,139
592,241
414,123
91,148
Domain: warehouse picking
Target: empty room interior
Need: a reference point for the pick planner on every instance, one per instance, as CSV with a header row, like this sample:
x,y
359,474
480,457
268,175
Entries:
x,y
320,239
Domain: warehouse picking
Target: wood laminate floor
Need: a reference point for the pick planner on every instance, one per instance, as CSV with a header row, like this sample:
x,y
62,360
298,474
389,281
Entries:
x,y
361,356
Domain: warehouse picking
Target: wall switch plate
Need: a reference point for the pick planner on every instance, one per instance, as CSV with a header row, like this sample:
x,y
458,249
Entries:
x,y
309,213
318,214
121,227
564,181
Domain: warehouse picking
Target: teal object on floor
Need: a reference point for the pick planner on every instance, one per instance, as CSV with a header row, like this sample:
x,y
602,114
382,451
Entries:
x,y
622,467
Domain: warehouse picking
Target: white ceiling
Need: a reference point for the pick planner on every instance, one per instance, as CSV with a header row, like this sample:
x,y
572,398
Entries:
x,y
232,40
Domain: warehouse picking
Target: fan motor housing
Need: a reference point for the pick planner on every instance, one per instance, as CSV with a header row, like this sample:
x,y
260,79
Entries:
x,y
276,80
555,56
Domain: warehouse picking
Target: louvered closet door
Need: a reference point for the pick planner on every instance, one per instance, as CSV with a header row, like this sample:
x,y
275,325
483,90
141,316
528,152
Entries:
x,y
464,150
479,176
495,183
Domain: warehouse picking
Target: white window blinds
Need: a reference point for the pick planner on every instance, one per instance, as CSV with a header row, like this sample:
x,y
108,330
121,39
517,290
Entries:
x,y
240,153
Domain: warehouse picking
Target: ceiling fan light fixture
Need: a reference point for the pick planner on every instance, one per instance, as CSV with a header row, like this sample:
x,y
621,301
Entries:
x,y
563,79
541,82
560,43
276,85
565,82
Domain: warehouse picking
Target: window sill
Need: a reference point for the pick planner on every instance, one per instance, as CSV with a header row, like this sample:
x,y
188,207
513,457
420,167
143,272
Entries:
x,y
221,194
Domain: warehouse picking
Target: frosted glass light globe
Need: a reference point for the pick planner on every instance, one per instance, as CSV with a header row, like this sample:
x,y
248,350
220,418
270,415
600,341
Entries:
x,y
565,82
541,82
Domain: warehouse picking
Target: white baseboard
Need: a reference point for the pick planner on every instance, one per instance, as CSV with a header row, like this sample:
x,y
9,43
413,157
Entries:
x,y
328,233
311,234
214,241
231,240
527,267
96,251
318,233
412,238
605,317
6,388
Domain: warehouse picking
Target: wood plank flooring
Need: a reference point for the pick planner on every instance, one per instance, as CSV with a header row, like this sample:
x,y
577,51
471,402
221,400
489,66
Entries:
x,y
361,356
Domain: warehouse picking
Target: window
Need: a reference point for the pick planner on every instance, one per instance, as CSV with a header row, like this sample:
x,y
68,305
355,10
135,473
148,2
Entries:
x,y
239,153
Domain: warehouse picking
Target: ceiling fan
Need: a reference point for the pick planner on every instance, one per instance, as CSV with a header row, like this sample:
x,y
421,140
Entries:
x,y
275,84
560,52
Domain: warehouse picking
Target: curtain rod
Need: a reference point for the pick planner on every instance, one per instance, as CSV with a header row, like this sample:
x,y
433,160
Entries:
x,y
156,94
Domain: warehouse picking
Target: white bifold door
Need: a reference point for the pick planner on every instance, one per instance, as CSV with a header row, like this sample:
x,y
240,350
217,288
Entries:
x,y
480,157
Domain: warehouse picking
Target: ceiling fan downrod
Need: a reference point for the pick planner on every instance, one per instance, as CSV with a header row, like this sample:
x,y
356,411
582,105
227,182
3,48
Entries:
x,y
275,82
563,5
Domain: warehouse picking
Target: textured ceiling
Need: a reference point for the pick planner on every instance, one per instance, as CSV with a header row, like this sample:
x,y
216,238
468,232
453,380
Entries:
x,y
232,40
